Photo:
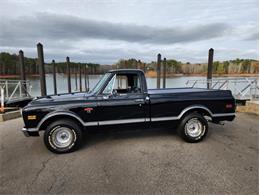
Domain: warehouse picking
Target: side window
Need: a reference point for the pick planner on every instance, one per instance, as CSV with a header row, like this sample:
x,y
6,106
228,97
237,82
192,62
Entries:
x,y
128,83
123,84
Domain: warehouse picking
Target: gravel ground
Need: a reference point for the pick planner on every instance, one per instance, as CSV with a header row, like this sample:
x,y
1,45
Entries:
x,y
133,162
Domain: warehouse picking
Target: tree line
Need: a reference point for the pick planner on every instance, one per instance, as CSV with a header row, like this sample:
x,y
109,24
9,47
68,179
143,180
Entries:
x,y
237,66
9,65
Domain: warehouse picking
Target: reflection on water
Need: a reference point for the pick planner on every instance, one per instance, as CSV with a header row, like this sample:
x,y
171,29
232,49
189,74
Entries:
x,y
62,85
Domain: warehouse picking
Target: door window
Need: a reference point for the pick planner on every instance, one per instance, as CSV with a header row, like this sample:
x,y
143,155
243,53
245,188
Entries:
x,y
124,84
129,83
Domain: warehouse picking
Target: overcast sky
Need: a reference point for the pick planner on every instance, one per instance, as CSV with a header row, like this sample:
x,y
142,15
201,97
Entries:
x,y
104,31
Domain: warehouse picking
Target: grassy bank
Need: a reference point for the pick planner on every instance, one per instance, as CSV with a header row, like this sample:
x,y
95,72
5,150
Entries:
x,y
153,74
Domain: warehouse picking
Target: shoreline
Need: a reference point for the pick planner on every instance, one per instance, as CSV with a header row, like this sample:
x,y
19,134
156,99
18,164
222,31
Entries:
x,y
204,75
154,75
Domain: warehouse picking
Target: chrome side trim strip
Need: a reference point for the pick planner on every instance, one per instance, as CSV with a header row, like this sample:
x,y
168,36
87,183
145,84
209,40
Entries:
x,y
223,114
29,129
181,114
179,117
91,124
165,118
123,121
147,120
190,108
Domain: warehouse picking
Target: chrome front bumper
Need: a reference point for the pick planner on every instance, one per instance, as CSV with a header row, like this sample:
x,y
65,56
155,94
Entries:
x,y
30,132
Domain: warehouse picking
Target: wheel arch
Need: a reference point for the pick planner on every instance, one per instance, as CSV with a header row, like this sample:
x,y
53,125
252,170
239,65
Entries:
x,y
56,116
196,108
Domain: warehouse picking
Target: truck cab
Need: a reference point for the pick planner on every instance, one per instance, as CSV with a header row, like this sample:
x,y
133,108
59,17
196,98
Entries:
x,y
124,98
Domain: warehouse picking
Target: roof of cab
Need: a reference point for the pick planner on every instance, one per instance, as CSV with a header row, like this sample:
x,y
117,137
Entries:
x,y
126,71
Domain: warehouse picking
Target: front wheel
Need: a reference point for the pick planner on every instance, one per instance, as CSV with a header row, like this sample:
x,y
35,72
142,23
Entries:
x,y
63,136
193,128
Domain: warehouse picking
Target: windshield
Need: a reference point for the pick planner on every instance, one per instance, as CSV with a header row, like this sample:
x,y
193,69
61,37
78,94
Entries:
x,y
100,83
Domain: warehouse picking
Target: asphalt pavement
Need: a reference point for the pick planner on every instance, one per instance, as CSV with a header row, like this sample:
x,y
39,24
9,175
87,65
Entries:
x,y
134,162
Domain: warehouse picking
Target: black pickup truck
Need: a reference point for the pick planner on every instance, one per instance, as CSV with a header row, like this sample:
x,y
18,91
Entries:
x,y
121,100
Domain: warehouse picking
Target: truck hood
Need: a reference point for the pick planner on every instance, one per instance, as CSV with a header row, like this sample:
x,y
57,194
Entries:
x,y
59,98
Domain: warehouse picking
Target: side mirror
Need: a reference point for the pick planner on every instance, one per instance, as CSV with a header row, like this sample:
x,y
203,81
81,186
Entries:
x,y
114,92
106,97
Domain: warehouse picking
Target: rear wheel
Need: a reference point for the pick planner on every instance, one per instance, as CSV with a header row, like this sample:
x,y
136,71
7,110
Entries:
x,y
63,136
193,128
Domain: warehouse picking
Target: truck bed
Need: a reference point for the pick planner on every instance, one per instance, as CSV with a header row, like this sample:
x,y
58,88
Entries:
x,y
172,101
194,91
178,90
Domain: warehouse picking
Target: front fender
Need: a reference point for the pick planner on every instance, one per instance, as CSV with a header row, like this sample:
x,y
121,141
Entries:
x,y
59,113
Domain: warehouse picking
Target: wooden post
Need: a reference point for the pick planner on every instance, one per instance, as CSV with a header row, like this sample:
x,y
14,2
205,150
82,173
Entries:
x,y
80,81
41,69
68,72
54,77
2,95
22,71
85,77
210,66
88,77
76,77
158,71
164,73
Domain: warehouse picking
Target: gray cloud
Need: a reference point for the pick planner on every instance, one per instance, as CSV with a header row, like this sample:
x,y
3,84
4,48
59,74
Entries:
x,y
23,31
105,31
252,37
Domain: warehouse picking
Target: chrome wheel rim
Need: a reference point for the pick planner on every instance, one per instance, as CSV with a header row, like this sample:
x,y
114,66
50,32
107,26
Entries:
x,y
194,128
62,137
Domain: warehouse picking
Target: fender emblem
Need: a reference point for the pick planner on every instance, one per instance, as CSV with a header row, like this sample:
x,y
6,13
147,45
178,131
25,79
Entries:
x,y
88,110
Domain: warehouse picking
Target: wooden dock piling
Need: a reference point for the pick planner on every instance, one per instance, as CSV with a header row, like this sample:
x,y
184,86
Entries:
x,y
22,71
210,66
159,71
85,77
54,77
164,73
68,74
80,78
41,69
76,77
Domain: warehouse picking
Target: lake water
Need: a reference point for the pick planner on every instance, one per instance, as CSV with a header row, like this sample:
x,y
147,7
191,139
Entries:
x,y
173,82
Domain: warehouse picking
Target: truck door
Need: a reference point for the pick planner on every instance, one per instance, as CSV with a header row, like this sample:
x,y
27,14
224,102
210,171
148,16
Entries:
x,y
123,101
